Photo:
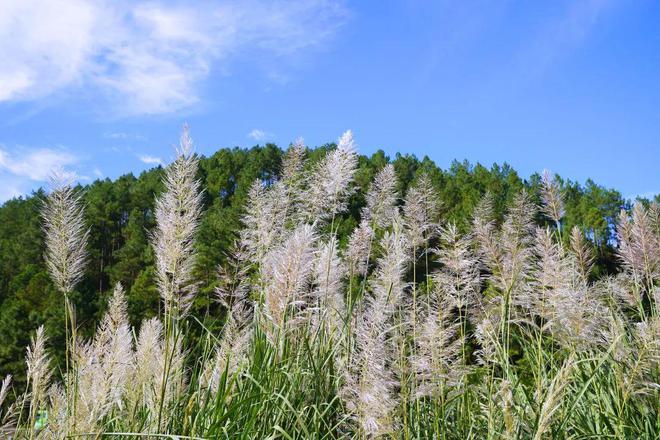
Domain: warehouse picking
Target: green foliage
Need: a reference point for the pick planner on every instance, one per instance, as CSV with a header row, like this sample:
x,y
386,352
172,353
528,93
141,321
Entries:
x,y
120,215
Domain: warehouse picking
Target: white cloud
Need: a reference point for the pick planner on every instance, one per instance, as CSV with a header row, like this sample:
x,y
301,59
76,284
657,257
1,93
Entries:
x,y
36,165
150,57
150,160
20,167
9,190
558,36
125,136
259,135
44,45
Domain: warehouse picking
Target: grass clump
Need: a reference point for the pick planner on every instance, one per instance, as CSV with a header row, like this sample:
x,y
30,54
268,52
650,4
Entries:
x,y
410,329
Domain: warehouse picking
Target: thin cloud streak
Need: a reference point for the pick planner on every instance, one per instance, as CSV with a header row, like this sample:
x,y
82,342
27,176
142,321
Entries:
x,y
150,160
259,135
21,167
561,36
36,165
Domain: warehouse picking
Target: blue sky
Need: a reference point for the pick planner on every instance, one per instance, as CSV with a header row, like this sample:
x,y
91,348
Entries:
x,y
102,88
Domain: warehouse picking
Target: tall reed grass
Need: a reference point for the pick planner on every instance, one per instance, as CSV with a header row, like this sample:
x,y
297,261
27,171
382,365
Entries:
x,y
410,329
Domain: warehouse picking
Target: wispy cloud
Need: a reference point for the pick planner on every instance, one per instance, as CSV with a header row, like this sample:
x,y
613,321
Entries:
x,y
150,160
151,56
21,167
259,135
534,45
9,189
125,136
36,165
561,35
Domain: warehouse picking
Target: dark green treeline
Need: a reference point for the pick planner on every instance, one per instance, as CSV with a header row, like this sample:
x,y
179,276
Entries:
x,y
120,215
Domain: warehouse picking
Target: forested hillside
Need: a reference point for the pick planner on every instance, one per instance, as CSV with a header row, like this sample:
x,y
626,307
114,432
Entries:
x,y
120,215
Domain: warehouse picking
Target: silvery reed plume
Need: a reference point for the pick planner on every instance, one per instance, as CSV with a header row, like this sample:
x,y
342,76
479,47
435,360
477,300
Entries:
x,y
65,233
177,216
343,314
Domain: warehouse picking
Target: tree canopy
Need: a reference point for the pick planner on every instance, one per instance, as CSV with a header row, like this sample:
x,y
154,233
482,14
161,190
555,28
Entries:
x,y
120,215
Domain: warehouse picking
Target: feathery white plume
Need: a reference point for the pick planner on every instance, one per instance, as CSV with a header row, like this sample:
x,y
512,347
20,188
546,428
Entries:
x,y
293,180
442,336
293,164
369,381
177,216
506,253
553,204
568,307
329,272
147,375
552,399
381,209
438,345
359,248
458,281
486,331
114,345
484,232
643,363
330,185
104,366
230,354
639,245
420,211
58,418
4,388
516,242
582,253
38,371
7,423
266,213
152,366
286,271
65,234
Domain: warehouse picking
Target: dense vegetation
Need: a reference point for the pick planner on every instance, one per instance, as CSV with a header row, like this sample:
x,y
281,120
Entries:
x,y
303,373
